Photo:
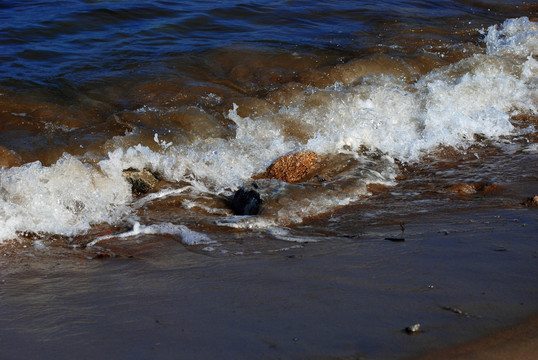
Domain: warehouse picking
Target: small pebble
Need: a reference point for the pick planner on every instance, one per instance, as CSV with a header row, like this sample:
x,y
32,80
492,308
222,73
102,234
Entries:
x,y
413,329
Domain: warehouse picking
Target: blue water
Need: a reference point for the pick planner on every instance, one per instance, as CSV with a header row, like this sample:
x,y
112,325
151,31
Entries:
x,y
51,41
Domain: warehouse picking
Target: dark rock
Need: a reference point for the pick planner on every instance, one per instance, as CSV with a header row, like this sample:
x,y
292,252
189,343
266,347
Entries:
x,y
413,329
532,201
248,200
395,239
142,181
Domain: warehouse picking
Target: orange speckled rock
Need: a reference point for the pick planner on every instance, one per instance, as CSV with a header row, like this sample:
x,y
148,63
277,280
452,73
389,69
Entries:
x,y
461,189
294,167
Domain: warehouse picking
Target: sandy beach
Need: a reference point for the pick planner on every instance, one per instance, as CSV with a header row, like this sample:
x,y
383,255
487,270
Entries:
x,y
519,341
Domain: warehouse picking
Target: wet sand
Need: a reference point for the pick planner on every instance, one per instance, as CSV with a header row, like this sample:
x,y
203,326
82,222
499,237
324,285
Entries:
x,y
462,275
519,341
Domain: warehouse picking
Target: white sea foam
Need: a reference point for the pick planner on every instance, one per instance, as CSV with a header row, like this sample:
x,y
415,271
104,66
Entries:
x,y
247,222
514,36
533,148
65,198
162,194
406,121
387,116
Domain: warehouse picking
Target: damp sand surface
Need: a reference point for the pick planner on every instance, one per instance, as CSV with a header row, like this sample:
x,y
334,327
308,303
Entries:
x,y
519,341
461,274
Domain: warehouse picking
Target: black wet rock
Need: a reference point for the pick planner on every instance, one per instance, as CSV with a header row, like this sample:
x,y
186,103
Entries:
x,y
248,200
251,199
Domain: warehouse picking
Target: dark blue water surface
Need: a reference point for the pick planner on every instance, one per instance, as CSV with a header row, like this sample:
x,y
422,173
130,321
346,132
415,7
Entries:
x,y
45,41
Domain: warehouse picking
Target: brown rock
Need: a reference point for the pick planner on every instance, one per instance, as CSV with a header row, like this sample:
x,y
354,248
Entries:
x,y
488,189
9,158
461,189
142,181
294,167
482,188
196,122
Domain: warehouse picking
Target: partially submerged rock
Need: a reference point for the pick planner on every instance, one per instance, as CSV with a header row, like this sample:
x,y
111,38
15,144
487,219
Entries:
x,y
532,201
9,158
292,168
142,181
461,189
481,188
249,199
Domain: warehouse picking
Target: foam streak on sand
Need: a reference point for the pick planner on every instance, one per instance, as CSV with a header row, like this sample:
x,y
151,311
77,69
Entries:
x,y
188,237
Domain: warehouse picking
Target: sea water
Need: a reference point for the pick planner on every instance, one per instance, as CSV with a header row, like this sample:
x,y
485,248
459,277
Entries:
x,y
207,95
